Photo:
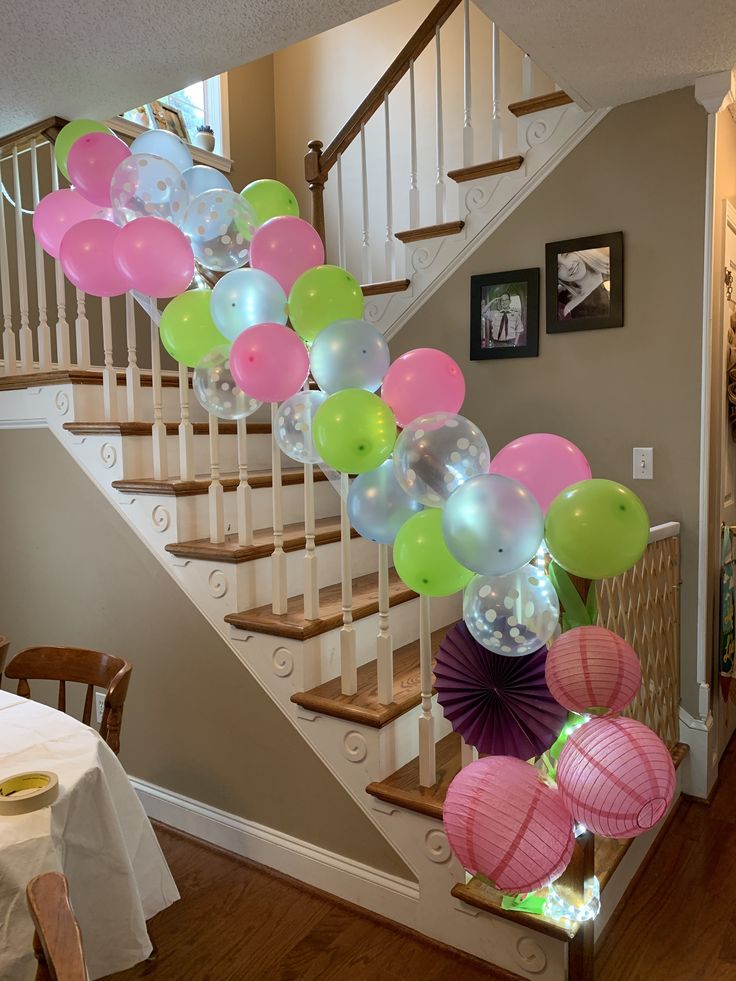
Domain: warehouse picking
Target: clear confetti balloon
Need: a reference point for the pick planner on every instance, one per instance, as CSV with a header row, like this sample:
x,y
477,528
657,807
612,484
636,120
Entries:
x,y
492,524
377,504
349,354
216,390
294,426
515,614
145,186
216,223
244,298
436,453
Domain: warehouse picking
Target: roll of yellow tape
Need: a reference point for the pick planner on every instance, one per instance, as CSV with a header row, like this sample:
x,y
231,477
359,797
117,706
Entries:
x,y
26,792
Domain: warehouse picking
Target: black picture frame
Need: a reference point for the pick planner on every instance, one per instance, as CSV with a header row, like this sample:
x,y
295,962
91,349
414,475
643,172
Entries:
x,y
603,306
521,328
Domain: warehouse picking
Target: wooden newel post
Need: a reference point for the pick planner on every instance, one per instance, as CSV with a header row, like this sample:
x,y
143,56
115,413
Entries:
x,y
316,178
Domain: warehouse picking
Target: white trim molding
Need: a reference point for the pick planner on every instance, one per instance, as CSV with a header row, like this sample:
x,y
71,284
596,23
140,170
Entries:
x,y
700,766
717,91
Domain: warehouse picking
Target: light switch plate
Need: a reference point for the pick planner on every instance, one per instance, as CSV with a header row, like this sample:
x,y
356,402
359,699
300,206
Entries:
x,y
643,463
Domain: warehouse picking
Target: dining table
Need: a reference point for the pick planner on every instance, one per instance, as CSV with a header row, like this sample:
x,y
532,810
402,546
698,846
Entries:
x,y
96,833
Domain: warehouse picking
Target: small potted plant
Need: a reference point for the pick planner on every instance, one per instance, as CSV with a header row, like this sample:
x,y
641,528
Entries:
x,y
204,138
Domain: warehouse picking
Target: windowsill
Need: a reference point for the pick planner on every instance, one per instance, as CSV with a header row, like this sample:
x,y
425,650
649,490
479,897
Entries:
x,y
128,128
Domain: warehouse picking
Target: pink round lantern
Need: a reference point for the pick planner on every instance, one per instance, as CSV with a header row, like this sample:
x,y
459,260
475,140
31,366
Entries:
x,y
544,463
616,777
591,668
422,381
503,821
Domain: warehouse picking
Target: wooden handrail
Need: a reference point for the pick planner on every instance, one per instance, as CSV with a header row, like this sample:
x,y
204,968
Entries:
x,y
318,162
48,128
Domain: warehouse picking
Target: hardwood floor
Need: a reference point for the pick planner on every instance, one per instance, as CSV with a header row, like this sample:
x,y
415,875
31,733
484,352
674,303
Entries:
x,y
238,921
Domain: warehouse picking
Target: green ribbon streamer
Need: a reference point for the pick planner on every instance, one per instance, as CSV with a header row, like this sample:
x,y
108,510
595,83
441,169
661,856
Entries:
x,y
576,613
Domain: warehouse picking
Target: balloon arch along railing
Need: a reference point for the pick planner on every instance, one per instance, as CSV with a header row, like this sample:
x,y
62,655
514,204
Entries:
x,y
508,529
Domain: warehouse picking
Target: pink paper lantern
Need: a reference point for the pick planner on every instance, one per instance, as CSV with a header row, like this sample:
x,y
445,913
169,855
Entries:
x,y
504,822
591,667
616,777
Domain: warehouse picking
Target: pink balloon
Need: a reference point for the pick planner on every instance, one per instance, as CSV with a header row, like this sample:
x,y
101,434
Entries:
x,y
87,258
423,381
269,362
155,256
544,463
91,163
55,214
285,248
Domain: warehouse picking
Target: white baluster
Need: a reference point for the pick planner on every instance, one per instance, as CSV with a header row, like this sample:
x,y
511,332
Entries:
x,y
467,90
427,759
216,493
413,186
527,70
81,332
109,377
341,251
186,430
132,371
348,662
496,121
384,643
311,579
366,262
9,351
278,559
158,430
243,500
26,337
43,333
390,248
468,754
440,180
63,345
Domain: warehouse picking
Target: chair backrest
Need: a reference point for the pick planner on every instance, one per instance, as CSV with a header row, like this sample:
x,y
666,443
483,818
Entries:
x,y
4,645
57,941
91,668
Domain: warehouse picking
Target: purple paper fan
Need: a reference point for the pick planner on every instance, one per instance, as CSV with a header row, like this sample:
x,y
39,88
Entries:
x,y
500,705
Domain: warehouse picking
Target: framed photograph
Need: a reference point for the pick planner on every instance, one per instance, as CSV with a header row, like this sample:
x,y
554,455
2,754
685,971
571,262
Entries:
x,y
585,283
504,315
166,117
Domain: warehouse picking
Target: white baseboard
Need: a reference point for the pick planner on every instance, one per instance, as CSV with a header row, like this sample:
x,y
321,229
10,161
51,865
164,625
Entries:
x,y
390,895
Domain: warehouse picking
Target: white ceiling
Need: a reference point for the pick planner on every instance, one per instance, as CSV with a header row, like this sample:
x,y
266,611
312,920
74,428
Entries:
x,y
76,58
605,52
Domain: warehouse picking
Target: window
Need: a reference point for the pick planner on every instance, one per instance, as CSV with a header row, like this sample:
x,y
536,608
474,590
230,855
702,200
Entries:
x,y
199,103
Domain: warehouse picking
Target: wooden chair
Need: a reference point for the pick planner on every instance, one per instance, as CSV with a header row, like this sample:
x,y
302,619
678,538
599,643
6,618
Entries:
x,y
91,668
57,941
4,645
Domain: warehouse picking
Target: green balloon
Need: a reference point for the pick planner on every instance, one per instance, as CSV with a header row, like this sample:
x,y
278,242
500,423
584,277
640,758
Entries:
x,y
270,199
70,134
320,297
187,329
354,431
423,560
596,529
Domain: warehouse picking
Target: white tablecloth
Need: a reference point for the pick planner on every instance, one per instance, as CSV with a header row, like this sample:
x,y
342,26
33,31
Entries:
x,y
96,833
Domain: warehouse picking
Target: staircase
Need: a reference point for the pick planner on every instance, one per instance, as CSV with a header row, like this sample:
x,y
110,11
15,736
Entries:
x,y
265,551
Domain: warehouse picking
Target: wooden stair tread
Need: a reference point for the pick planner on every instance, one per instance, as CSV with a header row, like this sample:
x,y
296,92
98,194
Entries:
x,y
389,286
539,102
78,376
293,624
430,231
327,531
489,169
174,487
402,787
364,707
172,428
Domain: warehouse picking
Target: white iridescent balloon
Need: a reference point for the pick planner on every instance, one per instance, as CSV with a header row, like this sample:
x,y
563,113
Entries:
x,y
513,615
293,432
219,224
203,178
244,298
145,186
161,143
217,392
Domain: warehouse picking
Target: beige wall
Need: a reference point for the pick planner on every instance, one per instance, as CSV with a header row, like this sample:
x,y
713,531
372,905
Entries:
x,y
642,171
196,722
252,117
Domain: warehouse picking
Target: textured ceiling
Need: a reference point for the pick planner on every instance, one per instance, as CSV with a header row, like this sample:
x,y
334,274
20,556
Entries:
x,y
605,52
97,58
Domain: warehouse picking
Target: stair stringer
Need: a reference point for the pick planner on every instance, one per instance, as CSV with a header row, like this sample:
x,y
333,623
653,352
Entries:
x,y
545,139
354,754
